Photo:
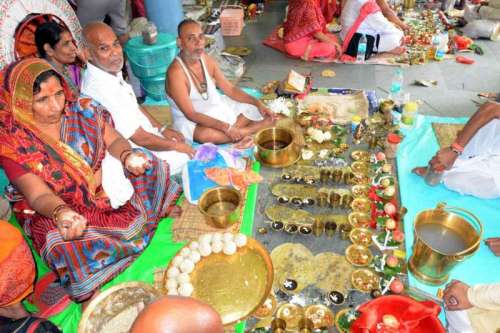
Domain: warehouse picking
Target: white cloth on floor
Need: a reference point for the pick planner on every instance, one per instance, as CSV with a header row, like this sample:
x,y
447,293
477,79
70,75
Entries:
x,y
216,105
477,170
118,97
376,23
458,322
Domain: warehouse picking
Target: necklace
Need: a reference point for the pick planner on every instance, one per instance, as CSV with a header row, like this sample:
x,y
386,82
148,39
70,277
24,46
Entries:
x,y
201,84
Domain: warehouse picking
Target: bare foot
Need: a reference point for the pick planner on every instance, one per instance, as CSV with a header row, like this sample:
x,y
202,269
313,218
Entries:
x,y
14,311
175,212
245,143
419,171
86,303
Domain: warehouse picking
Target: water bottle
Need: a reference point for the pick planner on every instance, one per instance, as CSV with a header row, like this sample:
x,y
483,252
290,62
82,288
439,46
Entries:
x,y
436,45
361,54
396,90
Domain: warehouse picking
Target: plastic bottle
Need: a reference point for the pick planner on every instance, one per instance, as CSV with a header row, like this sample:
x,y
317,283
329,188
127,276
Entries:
x,y
361,54
396,90
438,47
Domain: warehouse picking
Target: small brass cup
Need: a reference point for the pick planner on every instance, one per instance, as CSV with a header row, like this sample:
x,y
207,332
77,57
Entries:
x,y
318,227
324,175
306,325
278,325
347,177
334,199
337,175
347,200
345,230
220,206
322,199
330,228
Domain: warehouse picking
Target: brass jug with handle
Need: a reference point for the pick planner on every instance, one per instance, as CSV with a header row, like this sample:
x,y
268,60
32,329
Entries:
x,y
443,237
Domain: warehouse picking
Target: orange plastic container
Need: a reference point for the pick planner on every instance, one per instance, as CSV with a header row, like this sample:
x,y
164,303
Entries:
x,y
231,21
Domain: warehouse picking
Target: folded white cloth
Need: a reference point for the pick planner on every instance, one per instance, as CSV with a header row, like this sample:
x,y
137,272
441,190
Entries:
x,y
114,182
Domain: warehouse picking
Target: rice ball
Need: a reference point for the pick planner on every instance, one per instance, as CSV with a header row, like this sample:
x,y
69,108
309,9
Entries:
x,y
217,237
177,261
205,249
183,278
172,292
229,248
172,284
240,240
195,256
206,238
217,247
185,252
194,245
187,266
173,272
186,289
227,237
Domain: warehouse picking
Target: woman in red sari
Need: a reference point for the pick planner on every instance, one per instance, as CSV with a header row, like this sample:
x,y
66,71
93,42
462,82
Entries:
x,y
52,148
305,33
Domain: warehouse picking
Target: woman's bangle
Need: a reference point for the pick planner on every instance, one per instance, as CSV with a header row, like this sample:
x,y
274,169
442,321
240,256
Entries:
x,y
57,210
126,152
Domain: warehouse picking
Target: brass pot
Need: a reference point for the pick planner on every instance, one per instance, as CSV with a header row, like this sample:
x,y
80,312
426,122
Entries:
x,y
220,206
276,147
443,237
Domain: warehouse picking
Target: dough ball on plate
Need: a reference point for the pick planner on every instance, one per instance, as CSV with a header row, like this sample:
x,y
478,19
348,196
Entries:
x,y
217,237
217,247
185,252
205,249
195,256
194,245
227,236
186,289
240,240
187,266
229,248
183,278
172,284
177,261
173,272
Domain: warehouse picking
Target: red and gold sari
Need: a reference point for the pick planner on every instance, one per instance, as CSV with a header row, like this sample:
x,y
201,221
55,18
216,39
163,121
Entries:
x,y
304,19
114,237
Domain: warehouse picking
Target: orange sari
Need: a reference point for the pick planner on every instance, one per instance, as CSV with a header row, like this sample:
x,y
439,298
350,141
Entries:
x,y
17,269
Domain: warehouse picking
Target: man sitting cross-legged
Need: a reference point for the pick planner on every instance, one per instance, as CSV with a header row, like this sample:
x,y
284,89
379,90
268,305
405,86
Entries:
x,y
200,112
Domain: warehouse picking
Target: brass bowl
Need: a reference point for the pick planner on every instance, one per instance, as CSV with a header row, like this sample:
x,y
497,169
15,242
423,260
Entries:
x,y
365,280
338,316
361,236
359,220
291,314
320,315
358,255
220,206
361,205
360,191
276,147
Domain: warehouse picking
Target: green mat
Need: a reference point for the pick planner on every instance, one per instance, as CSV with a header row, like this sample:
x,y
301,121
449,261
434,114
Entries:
x,y
157,255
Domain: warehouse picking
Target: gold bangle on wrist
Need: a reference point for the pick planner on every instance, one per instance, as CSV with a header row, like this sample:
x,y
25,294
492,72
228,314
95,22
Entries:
x,y
127,153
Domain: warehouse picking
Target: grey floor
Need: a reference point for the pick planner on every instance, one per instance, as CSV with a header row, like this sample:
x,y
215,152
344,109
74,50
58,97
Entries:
x,y
457,85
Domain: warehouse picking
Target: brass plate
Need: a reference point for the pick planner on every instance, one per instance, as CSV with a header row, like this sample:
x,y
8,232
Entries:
x,y
337,319
237,285
360,191
291,314
360,168
361,236
267,308
275,166
358,255
320,315
115,309
359,220
360,155
361,205
365,280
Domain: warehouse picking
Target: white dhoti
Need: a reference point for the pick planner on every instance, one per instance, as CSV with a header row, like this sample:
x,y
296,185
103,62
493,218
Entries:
x,y
374,24
214,105
477,171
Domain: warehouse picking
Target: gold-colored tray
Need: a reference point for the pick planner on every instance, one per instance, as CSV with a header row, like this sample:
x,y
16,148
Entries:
x,y
291,314
115,309
236,285
365,280
361,236
361,205
354,252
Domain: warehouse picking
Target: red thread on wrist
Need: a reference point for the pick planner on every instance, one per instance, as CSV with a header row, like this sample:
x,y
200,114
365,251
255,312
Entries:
x,y
457,147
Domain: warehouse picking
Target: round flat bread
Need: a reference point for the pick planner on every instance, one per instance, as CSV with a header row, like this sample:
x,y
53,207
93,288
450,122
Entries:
x,y
293,261
333,272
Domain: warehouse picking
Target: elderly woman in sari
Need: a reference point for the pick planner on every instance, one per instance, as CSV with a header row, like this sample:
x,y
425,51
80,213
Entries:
x,y
52,149
56,45
305,35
